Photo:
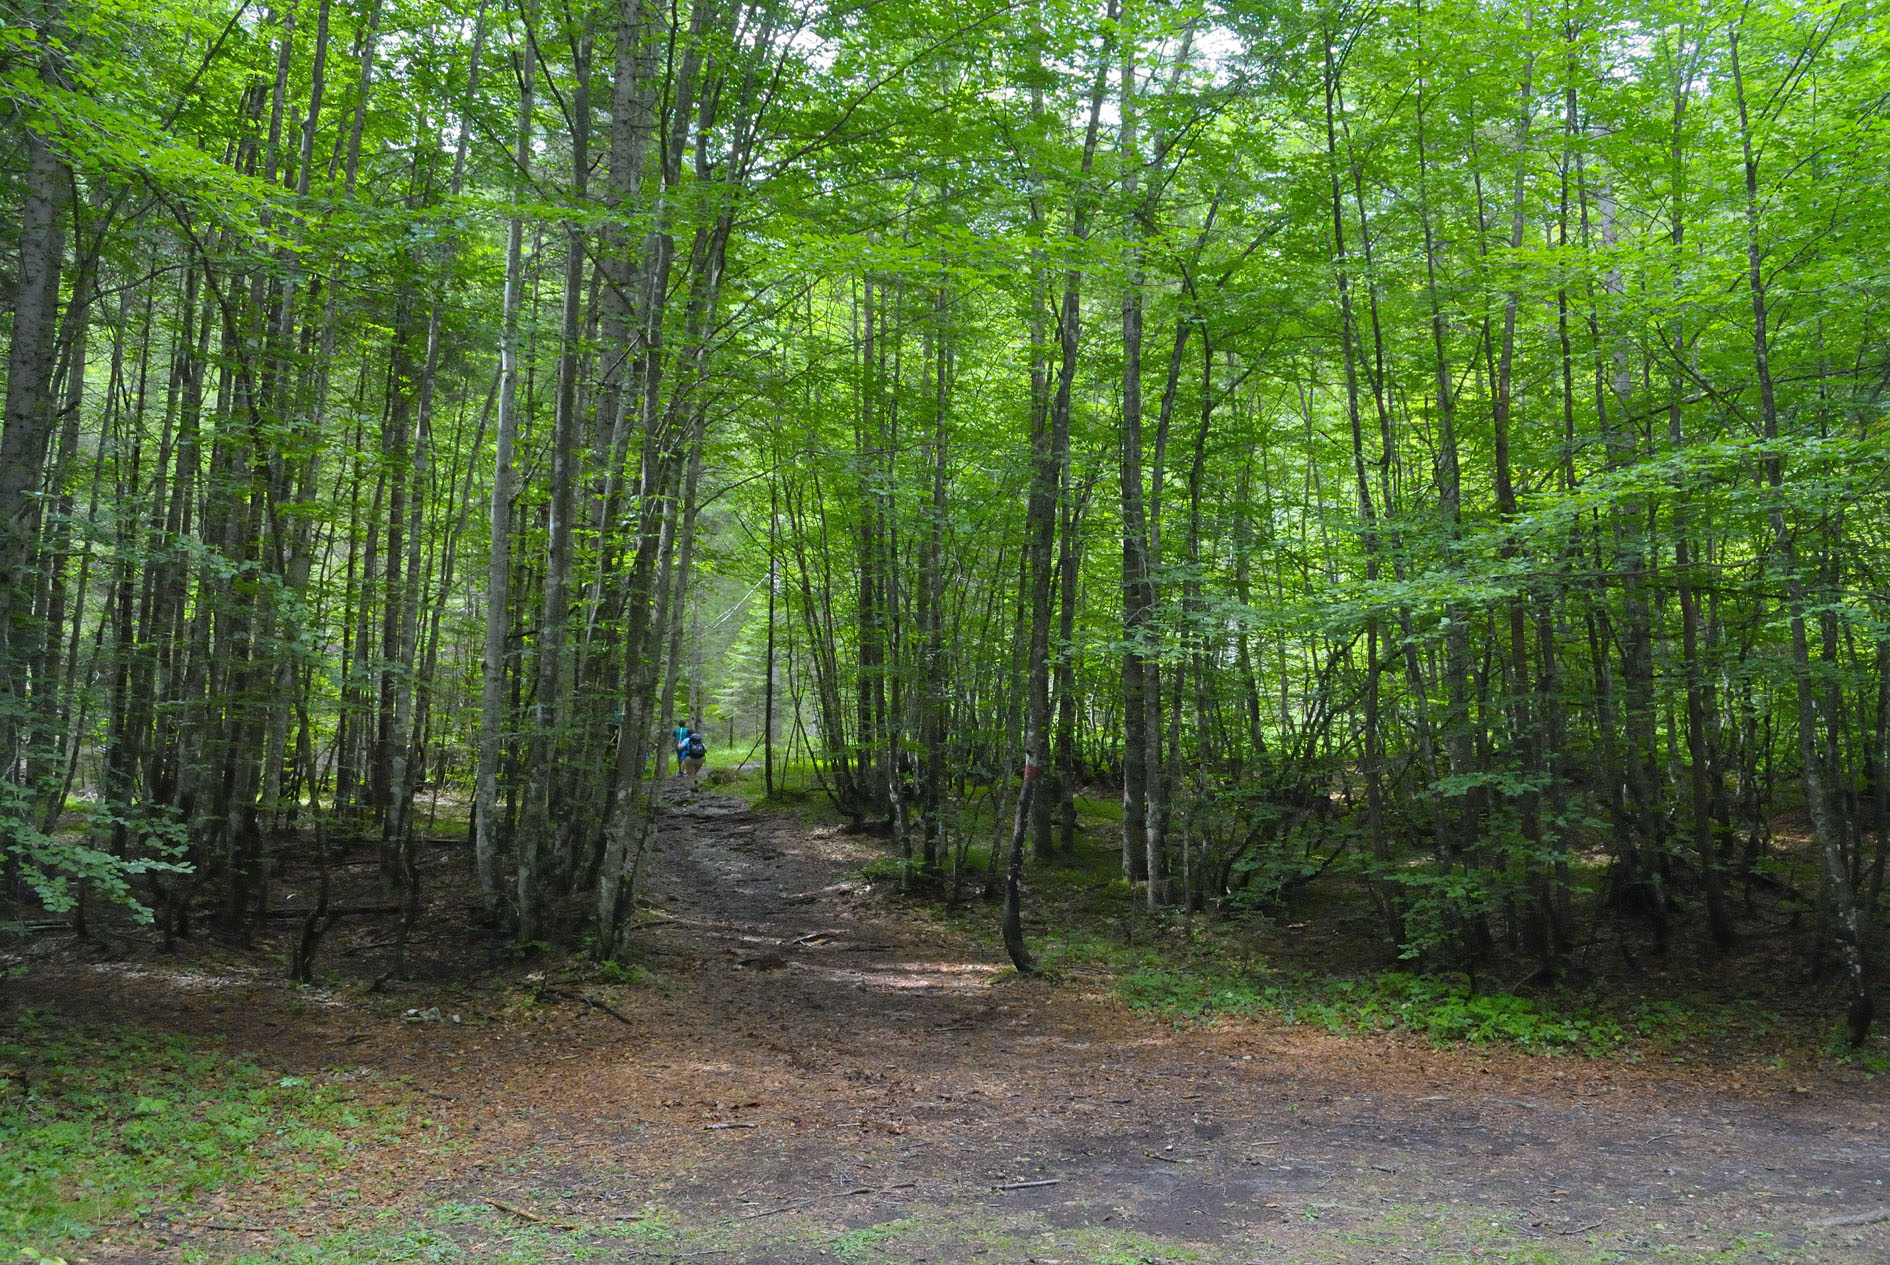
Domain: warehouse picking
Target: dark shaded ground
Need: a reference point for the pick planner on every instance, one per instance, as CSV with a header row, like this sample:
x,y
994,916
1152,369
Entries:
x,y
892,1094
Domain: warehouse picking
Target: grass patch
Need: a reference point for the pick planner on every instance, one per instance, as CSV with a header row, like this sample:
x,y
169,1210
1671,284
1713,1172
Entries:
x,y
96,1125
869,1242
1439,1008
797,788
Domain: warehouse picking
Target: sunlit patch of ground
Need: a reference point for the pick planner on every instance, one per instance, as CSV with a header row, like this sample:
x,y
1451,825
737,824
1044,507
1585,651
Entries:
x,y
894,977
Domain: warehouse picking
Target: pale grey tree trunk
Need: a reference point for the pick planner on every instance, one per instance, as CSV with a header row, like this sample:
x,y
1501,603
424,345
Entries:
x,y
492,711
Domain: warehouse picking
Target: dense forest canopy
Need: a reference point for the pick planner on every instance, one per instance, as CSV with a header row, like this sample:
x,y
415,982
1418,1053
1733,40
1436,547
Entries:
x,y
1436,446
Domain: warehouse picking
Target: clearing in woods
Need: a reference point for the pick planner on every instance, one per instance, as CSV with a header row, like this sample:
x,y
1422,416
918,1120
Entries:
x,y
809,1072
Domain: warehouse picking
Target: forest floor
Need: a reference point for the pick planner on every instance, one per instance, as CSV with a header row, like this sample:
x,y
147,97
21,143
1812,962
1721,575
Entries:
x,y
806,1071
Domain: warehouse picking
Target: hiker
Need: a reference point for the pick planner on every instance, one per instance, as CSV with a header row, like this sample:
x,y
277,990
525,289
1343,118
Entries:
x,y
694,750
680,735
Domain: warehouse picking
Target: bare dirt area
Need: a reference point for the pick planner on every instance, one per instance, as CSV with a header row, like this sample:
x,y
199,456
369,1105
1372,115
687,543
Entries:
x,y
813,1070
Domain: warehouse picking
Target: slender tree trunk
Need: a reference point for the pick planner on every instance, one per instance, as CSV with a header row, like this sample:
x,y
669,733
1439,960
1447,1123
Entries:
x,y
1136,601
936,700
1458,740
487,840
1700,771
1069,562
1828,831
1368,516
1544,915
1049,453
547,833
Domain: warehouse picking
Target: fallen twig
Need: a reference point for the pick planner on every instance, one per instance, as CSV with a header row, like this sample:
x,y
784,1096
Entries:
x,y
528,1215
1048,1181
1584,1229
732,1124
1167,1159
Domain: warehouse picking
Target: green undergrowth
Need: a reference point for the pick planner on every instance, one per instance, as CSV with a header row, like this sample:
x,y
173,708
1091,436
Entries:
x,y
466,1232
797,788
1203,984
1440,1009
97,1124
1305,1231
1214,968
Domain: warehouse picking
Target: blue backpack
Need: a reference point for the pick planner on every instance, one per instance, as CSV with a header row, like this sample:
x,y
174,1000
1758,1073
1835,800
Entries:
x,y
697,747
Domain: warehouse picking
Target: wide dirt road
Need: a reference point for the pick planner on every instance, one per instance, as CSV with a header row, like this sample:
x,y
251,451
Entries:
x,y
813,1073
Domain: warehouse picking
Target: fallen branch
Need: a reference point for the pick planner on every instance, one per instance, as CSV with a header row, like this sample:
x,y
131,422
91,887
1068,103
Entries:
x,y
1854,1219
1759,878
805,1203
346,911
1048,1181
528,1215
371,945
733,1124
832,889
608,1009
588,1000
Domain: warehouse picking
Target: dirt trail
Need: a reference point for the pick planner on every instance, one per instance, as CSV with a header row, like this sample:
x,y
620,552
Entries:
x,y
816,1072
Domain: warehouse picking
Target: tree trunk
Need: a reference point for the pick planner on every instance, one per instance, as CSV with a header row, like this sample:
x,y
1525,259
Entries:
x,y
487,839
1049,453
1828,831
29,424
1136,600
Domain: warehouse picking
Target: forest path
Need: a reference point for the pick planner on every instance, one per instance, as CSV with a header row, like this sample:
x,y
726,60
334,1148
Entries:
x,y
815,1071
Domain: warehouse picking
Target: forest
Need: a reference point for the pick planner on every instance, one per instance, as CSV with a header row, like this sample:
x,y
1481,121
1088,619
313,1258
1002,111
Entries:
x,y
1431,450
